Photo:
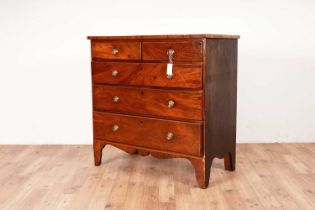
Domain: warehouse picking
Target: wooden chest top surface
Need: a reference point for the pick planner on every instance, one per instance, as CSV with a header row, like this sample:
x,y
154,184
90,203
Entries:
x,y
170,36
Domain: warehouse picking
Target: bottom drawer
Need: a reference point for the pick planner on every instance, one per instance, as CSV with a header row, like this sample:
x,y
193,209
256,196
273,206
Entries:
x,y
166,135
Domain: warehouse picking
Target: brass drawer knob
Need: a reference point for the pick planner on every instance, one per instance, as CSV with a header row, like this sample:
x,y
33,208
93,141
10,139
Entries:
x,y
170,104
115,128
116,99
114,73
169,136
170,52
115,51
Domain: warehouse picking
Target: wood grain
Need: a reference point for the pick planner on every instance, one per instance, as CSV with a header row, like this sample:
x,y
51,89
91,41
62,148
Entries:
x,y
147,74
203,90
127,50
220,100
185,51
268,176
145,101
174,36
148,132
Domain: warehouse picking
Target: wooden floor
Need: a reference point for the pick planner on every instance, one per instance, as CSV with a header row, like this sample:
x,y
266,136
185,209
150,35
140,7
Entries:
x,y
267,176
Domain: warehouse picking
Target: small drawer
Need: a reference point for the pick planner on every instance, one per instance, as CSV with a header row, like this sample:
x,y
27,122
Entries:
x,y
184,51
147,74
166,135
146,101
129,50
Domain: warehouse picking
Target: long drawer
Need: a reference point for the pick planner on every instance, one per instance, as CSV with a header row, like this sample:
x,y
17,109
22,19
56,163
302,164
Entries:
x,y
184,104
147,74
166,135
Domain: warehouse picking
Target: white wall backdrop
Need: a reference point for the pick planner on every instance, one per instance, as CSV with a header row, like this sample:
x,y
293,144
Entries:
x,y
45,62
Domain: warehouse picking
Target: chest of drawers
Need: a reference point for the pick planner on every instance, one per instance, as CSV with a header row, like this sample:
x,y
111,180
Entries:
x,y
171,96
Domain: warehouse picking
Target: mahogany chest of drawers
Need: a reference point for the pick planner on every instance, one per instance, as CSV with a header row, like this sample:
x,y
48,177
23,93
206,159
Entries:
x,y
171,96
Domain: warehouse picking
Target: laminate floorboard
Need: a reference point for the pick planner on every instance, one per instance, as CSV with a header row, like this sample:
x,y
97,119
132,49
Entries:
x,y
267,176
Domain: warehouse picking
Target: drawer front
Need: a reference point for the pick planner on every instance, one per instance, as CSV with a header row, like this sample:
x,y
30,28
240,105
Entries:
x,y
166,135
128,50
184,75
167,103
184,51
